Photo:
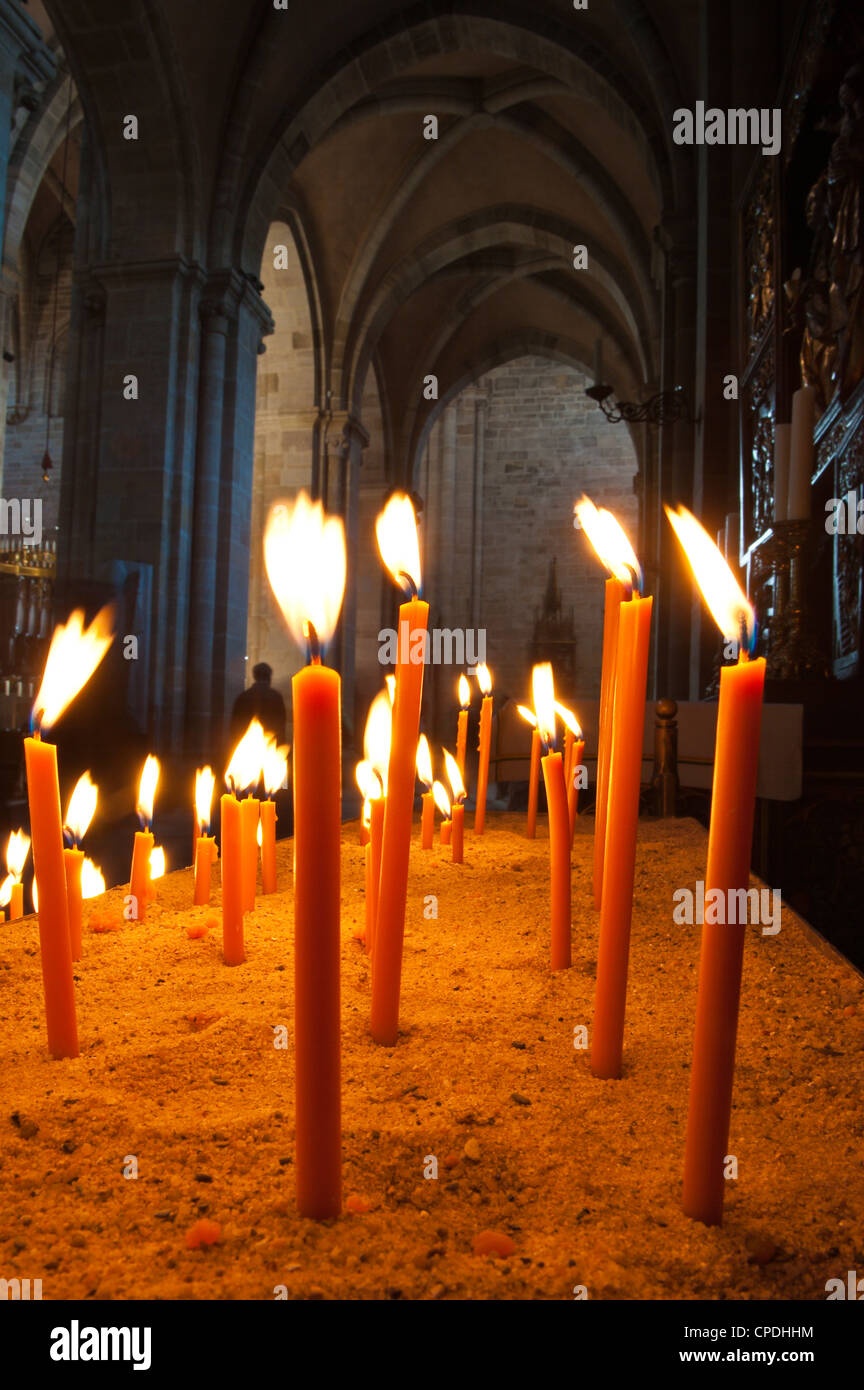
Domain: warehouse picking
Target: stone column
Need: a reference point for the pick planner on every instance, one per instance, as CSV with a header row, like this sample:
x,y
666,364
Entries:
x,y
346,439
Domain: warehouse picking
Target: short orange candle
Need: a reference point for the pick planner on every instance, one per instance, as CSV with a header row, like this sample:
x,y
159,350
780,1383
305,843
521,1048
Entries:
x,y
73,860
373,859
16,901
484,748
427,821
445,832
457,833
205,856
249,810
552,764
139,879
573,783
17,849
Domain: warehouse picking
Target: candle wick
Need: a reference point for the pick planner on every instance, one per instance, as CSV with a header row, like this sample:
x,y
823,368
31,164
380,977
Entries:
x,y
412,587
314,644
743,644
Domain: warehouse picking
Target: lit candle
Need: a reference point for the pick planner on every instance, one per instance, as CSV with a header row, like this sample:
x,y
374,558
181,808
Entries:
x,y
205,844
370,784
155,869
552,764
534,772
274,772
457,808
607,538
140,875
304,554
73,656
733,797
233,946
424,772
572,762
622,817
92,880
376,746
484,680
12,888
801,453
462,723
396,531
82,805
442,801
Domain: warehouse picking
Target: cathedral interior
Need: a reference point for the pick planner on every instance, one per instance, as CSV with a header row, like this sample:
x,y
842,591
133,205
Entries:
x,y
250,248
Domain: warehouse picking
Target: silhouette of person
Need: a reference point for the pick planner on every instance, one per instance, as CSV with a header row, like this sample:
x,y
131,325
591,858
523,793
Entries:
x,y
259,702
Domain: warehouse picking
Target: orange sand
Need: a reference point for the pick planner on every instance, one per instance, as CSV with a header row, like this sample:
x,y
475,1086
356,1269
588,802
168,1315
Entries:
x,y
179,1070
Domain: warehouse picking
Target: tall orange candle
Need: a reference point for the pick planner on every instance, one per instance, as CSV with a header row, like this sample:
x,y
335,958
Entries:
x,y
619,863
268,845
533,773
552,764
73,861
139,878
730,836
573,784
305,559
574,749
376,831
462,724
73,656
396,530
231,855
249,811
424,772
484,680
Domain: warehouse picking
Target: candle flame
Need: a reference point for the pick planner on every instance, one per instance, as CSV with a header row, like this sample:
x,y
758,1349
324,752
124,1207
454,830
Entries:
x,y
376,737
82,805
464,692
484,678
147,791
205,782
726,600
73,656
6,890
424,761
398,544
367,812
543,685
34,893
528,715
17,849
369,783
454,777
390,682
568,719
92,881
442,800
247,760
157,862
304,555
274,768
610,542
259,834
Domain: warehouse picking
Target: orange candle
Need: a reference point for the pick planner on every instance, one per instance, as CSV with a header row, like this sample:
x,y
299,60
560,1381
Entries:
x,y
268,846
139,878
16,901
249,809
559,825
43,793
12,888
462,724
363,830
457,814
73,860
205,854
376,830
634,630
73,656
730,836
534,772
446,828
442,801
484,680
573,784
233,947
397,539
424,772
305,558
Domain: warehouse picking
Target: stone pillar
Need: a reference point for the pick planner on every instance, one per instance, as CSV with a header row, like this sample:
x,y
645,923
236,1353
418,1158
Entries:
x,y
346,439
481,404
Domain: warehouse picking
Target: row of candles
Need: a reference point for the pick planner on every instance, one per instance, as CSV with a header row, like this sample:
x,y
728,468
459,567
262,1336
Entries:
x,y
306,566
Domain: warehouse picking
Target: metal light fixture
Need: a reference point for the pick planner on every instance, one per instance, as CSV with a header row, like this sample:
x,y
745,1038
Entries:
x,y
666,408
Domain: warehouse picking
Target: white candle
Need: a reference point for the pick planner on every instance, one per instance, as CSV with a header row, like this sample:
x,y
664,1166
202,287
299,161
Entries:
x,y
782,446
801,453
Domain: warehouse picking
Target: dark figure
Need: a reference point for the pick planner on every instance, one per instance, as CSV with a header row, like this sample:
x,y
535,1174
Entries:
x,y
259,702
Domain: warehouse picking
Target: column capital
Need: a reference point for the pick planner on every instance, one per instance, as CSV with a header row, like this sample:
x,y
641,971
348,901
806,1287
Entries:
x,y
226,292
342,431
